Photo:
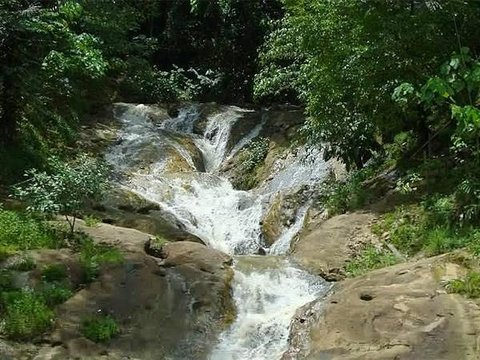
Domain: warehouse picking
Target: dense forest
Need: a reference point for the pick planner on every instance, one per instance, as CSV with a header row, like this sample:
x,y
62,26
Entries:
x,y
388,88
61,60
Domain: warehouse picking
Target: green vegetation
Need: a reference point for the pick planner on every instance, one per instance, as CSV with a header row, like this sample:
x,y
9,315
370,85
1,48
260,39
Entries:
x,y
100,328
54,272
55,293
249,160
345,59
369,259
469,285
157,243
20,231
350,195
26,315
24,263
416,228
65,189
91,221
93,256
61,61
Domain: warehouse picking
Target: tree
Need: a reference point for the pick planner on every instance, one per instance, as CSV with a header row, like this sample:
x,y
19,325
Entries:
x,y
344,59
65,189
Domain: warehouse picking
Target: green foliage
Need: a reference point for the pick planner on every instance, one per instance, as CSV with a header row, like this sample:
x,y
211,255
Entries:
x,y
157,242
254,154
20,231
370,258
66,189
100,328
153,85
26,315
249,161
54,272
341,197
345,58
91,221
425,228
6,281
24,263
55,293
93,256
469,285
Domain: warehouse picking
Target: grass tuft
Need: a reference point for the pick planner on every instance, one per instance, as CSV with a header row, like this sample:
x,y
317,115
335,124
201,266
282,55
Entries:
x,y
370,258
100,328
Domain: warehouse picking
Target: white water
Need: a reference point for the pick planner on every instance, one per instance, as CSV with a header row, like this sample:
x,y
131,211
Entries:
x,y
266,290
266,301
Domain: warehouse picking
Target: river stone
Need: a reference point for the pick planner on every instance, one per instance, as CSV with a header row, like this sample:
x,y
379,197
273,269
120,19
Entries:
x,y
399,312
174,311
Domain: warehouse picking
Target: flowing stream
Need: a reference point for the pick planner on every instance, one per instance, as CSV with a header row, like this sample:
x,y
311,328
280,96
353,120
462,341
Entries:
x,y
267,289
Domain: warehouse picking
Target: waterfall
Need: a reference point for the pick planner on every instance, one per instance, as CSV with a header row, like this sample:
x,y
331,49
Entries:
x,y
267,289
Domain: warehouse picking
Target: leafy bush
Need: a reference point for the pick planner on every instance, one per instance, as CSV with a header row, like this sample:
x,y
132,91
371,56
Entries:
x,y
93,256
55,293
54,272
371,258
249,159
469,285
23,264
66,188
255,153
91,221
340,197
100,328
23,232
26,315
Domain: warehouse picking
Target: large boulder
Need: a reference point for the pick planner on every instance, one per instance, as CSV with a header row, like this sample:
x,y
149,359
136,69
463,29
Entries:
x,y
125,208
400,312
325,247
174,307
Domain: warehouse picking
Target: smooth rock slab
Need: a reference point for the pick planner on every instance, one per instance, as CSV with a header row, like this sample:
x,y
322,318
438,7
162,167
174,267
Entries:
x,y
401,312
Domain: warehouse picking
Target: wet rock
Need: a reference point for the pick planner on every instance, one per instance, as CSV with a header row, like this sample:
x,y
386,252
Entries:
x,y
125,208
272,222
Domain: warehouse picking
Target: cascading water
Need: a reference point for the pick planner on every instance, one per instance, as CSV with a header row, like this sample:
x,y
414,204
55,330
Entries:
x,y
267,289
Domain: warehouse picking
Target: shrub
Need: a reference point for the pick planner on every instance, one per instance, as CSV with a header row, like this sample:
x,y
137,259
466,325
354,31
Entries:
x,y
23,232
91,221
371,258
56,293
92,256
100,328
249,160
469,285
26,315
54,272
64,190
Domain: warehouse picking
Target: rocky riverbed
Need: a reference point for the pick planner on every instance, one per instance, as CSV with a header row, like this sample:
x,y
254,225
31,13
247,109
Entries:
x,y
215,269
